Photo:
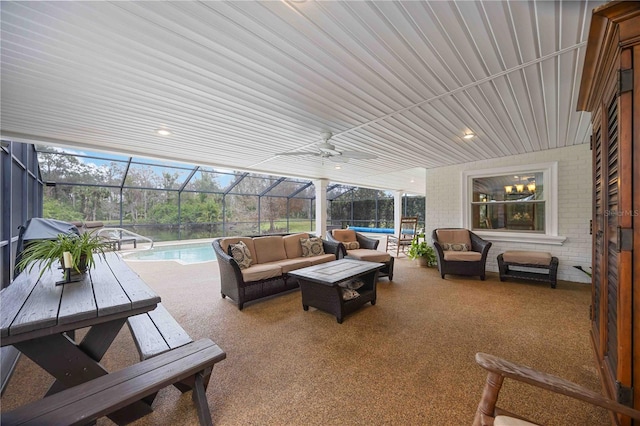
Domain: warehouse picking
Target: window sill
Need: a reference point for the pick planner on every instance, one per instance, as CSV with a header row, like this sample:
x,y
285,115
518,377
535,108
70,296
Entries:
x,y
521,237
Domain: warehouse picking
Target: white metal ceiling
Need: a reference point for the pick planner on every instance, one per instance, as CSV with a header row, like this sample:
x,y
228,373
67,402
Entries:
x,y
237,82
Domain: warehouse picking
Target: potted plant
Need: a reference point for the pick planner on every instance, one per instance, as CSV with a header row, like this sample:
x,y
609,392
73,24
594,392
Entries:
x,y
422,252
46,252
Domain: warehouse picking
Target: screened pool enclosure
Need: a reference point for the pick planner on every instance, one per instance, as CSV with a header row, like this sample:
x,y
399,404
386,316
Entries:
x,y
172,201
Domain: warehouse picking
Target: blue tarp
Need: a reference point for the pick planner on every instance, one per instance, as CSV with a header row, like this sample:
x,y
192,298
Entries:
x,y
376,230
379,230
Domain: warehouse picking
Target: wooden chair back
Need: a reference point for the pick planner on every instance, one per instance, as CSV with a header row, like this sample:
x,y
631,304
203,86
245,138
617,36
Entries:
x,y
408,231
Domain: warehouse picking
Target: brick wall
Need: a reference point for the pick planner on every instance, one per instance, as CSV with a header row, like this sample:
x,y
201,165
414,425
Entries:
x,y
444,205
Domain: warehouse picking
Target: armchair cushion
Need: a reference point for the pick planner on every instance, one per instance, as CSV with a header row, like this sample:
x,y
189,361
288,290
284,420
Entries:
x,y
369,255
344,235
454,236
511,421
465,256
311,247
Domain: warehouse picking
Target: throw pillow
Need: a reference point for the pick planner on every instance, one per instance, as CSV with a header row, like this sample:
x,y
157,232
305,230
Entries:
x,y
311,246
353,284
348,294
455,246
351,245
240,252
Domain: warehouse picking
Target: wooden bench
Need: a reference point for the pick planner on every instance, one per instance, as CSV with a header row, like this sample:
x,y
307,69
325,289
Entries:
x,y
156,332
96,398
528,259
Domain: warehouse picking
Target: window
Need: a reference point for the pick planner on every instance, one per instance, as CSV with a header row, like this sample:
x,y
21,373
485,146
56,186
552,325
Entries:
x,y
513,203
508,203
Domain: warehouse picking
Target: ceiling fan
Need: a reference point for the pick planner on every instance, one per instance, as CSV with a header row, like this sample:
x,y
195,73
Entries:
x,y
329,151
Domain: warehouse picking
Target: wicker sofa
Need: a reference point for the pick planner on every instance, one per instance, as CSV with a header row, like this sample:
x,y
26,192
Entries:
x,y
273,256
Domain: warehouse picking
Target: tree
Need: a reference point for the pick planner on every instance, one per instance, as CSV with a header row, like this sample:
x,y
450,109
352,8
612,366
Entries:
x,y
55,209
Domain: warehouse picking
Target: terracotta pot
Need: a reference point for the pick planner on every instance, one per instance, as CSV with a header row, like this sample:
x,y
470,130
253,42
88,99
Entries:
x,y
421,261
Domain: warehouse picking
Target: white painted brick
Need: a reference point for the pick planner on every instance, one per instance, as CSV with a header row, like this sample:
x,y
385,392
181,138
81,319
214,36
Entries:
x,y
443,205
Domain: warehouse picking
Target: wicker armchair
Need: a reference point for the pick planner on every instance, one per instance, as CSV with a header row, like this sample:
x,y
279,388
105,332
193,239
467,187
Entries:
x,y
472,261
367,250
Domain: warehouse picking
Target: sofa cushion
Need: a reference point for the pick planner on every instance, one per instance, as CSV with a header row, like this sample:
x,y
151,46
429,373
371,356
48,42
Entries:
x,y
344,235
292,244
527,257
248,241
311,247
451,236
351,245
455,247
269,248
369,255
240,252
261,272
323,258
289,265
465,256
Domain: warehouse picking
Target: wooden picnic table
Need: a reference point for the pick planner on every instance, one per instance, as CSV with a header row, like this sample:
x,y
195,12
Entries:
x,y
39,319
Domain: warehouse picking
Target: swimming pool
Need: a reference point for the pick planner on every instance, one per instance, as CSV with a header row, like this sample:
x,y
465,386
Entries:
x,y
181,253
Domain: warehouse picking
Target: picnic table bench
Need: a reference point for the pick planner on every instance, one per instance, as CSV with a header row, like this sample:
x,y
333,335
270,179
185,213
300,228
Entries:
x,y
104,395
156,332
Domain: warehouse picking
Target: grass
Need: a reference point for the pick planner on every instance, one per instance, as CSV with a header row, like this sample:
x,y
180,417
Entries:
x,y
303,225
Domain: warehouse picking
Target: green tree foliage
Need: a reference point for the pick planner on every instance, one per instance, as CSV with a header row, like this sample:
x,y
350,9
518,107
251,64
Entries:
x,y
54,209
150,196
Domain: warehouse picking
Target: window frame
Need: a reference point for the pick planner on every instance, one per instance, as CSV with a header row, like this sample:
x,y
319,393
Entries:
x,y
550,181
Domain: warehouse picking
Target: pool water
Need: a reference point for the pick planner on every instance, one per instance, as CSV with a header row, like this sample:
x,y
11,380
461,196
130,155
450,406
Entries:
x,y
182,253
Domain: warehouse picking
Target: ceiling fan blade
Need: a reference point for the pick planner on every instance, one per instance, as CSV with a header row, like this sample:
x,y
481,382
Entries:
x,y
328,149
339,159
358,155
299,153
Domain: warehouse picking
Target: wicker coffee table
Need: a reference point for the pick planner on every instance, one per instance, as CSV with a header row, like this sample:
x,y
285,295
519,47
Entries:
x,y
320,288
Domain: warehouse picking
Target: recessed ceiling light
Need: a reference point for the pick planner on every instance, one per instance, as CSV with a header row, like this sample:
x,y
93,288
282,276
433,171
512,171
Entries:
x,y
468,135
163,132
412,180
338,166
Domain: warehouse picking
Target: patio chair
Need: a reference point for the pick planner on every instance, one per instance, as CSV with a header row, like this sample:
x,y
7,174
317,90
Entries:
x,y
408,231
460,252
359,247
488,414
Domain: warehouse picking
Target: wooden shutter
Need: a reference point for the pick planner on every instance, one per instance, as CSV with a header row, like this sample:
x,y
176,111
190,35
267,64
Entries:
x,y
611,219
598,233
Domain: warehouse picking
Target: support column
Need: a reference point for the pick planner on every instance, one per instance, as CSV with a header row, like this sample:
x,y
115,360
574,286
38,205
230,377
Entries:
x,y
397,211
321,206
